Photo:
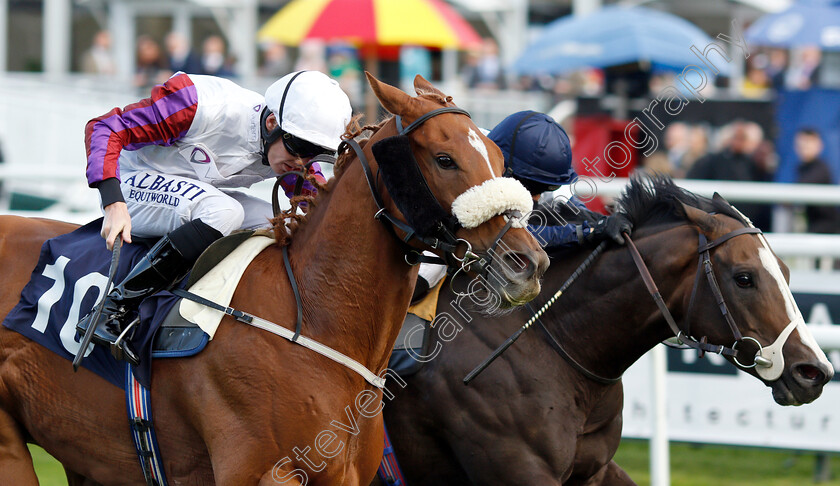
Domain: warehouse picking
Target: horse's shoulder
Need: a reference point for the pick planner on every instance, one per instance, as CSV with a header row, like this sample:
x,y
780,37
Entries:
x,y
18,227
21,239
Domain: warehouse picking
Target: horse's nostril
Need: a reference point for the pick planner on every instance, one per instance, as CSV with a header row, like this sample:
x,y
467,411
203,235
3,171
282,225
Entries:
x,y
809,373
519,263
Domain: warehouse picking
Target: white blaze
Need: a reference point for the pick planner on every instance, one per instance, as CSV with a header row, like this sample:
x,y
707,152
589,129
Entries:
x,y
479,146
774,351
771,264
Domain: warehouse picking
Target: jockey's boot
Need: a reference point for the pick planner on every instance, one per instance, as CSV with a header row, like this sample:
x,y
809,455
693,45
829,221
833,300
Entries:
x,y
169,261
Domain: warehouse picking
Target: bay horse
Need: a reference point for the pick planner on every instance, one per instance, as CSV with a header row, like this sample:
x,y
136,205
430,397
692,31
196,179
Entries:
x,y
533,417
251,407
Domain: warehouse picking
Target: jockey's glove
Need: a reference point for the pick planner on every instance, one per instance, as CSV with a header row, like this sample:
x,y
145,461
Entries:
x,y
609,227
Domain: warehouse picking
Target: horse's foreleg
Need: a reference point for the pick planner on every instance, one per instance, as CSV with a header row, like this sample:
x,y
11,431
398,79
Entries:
x,y
610,475
15,461
238,475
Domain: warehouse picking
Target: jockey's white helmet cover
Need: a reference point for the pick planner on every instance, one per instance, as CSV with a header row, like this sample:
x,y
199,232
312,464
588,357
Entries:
x,y
315,109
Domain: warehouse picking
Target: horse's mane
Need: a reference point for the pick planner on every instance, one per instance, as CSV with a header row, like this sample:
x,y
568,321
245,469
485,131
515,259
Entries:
x,y
652,200
655,200
289,221
361,134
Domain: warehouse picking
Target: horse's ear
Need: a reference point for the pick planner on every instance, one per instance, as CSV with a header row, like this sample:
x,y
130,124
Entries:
x,y
421,86
718,198
393,99
705,221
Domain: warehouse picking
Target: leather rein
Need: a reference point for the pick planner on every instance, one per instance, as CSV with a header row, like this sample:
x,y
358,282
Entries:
x,y
447,242
443,237
704,265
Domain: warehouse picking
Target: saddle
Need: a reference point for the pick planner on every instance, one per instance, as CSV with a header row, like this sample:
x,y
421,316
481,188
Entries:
x,y
178,337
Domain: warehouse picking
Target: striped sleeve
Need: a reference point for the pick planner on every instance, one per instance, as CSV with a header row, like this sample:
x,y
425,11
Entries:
x,y
161,119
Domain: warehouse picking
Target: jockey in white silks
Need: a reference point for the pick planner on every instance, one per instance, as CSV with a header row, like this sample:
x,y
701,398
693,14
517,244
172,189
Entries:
x,y
166,166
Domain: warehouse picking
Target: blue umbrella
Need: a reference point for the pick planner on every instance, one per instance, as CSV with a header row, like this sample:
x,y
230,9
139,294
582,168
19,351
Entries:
x,y
807,23
613,36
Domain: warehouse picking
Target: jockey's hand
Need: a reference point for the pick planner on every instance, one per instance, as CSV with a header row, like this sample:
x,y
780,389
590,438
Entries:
x,y
117,222
610,227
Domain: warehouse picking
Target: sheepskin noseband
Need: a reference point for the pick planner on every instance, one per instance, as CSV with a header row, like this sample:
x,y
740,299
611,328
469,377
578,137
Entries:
x,y
410,192
493,197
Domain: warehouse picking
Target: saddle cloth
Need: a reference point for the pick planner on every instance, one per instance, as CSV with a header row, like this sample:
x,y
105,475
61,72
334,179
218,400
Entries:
x,y
411,342
219,284
70,278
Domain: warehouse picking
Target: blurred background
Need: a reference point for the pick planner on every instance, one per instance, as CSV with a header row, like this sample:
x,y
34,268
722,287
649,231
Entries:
x,y
741,97
718,83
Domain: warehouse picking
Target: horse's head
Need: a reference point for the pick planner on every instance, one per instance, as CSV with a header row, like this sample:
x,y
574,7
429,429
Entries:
x,y
777,346
444,178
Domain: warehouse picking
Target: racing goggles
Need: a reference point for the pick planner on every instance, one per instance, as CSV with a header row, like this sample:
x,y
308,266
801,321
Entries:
x,y
301,148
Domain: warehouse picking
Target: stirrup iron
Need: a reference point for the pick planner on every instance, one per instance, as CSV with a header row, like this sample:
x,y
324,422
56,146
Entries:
x,y
118,347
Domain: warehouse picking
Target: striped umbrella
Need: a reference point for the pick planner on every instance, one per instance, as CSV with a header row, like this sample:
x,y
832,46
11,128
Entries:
x,y
429,23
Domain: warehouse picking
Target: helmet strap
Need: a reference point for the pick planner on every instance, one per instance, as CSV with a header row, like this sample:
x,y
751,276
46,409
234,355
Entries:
x,y
269,137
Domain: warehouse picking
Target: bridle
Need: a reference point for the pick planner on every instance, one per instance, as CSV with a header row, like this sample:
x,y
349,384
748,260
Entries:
x,y
441,231
704,265
684,338
440,234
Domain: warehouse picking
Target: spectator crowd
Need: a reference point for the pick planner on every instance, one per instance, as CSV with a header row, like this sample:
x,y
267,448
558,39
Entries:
x,y
739,151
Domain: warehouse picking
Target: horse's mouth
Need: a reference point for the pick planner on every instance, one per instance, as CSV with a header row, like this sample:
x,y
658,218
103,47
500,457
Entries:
x,y
508,300
523,295
800,384
783,395
517,276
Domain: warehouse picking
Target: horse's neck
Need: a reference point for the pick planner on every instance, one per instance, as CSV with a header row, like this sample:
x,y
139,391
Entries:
x,y
353,278
612,320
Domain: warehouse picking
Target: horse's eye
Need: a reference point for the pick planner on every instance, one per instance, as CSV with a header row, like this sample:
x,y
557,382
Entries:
x,y
445,162
744,280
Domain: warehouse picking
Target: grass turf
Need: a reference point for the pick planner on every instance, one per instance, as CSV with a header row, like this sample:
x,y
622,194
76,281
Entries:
x,y
703,465
691,465
50,472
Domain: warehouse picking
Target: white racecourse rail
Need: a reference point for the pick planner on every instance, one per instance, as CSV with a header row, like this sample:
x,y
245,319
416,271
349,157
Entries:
x,y
41,131
672,395
708,400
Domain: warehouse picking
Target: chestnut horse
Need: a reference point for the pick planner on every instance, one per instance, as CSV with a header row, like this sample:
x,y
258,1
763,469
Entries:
x,y
532,417
253,408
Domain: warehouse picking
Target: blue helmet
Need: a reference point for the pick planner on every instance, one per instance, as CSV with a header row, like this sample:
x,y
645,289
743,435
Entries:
x,y
536,148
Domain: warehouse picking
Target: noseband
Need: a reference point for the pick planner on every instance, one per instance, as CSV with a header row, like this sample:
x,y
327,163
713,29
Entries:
x,y
704,265
428,222
766,367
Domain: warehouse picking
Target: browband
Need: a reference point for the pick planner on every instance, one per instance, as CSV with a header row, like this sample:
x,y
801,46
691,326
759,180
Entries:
x,y
416,123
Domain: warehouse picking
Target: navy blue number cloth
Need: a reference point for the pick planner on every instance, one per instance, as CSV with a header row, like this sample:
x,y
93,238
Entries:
x,y
68,281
